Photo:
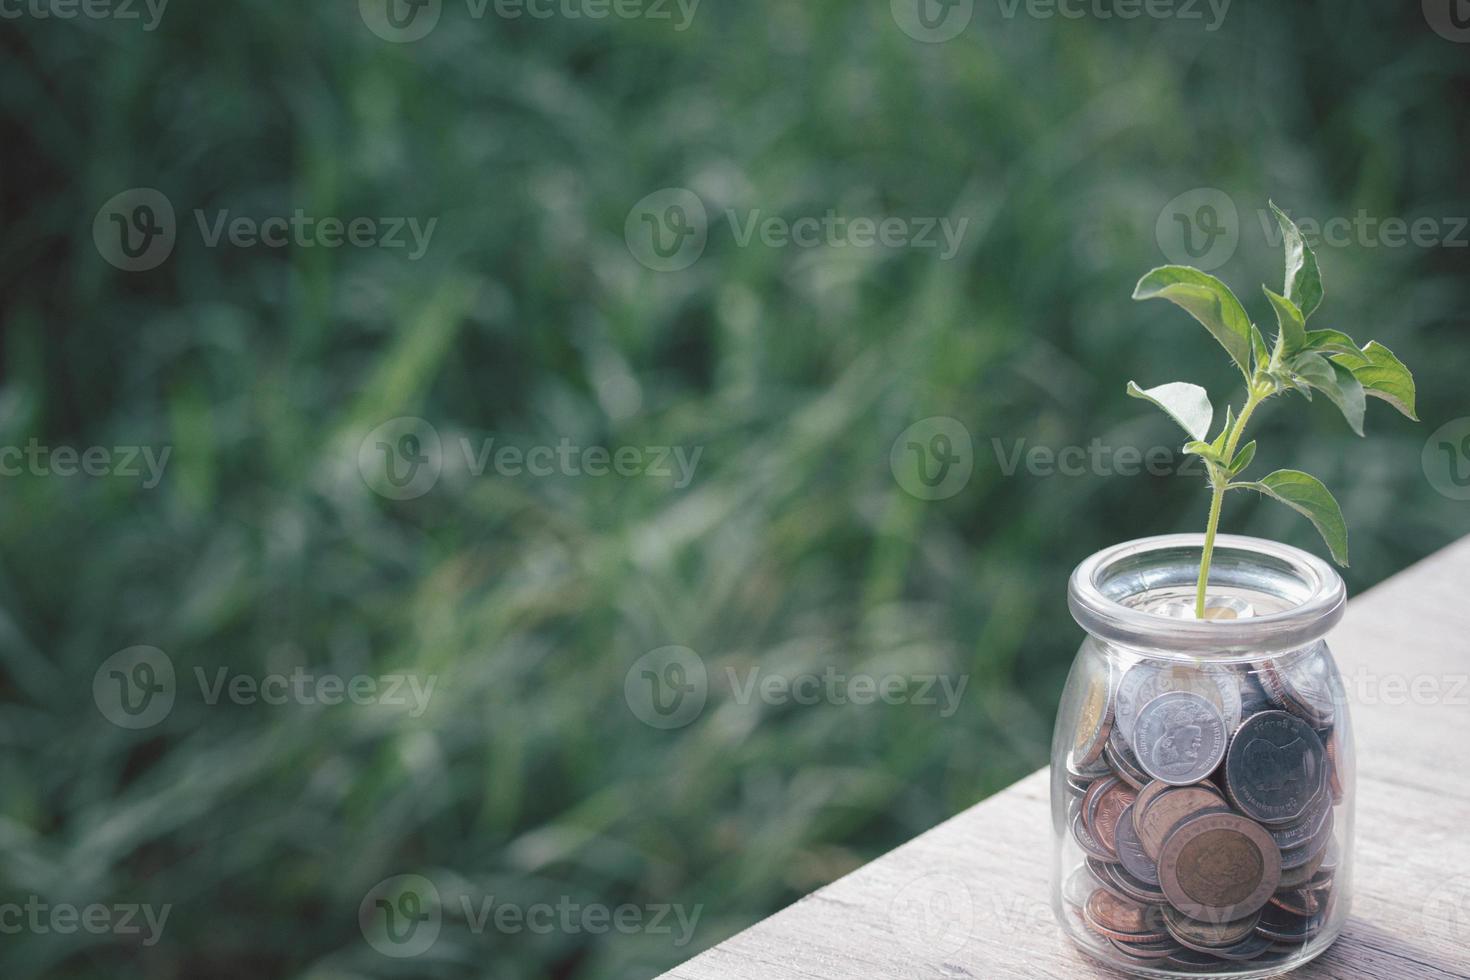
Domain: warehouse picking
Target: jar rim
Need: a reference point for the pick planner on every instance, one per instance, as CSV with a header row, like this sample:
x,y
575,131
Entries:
x,y
1314,591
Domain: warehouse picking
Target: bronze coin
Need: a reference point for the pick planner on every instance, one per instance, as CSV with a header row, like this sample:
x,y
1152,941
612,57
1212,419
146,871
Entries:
x,y
1166,809
1219,867
1302,903
1089,801
1196,934
1112,915
1111,804
1088,843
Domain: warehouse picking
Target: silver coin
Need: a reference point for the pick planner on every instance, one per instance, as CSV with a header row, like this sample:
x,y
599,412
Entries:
x,y
1276,768
1131,853
1303,686
1180,738
1144,682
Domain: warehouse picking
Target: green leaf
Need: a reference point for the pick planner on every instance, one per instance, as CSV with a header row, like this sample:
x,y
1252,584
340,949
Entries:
x,y
1293,325
1219,444
1206,451
1209,301
1331,342
1303,278
1382,375
1305,494
1260,350
1187,404
1337,383
1243,458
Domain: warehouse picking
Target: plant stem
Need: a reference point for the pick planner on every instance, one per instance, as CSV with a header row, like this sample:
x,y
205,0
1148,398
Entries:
x,y
1217,500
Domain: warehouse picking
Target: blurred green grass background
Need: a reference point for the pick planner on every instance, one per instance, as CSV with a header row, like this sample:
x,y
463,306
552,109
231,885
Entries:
x,y
794,549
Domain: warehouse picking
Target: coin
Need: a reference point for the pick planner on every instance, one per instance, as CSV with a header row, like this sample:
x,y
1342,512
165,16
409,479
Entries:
x,y
1095,718
1115,917
1307,828
1287,927
1274,769
1144,682
1123,761
1334,767
1162,949
1301,875
1180,738
1303,854
1253,697
1117,879
1130,850
1302,903
1164,811
1088,843
1302,685
1077,786
1110,806
1194,934
1249,948
1219,867
1089,801
1080,884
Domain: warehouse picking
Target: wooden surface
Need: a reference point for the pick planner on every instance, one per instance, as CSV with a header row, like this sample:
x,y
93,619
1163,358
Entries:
x,y
970,897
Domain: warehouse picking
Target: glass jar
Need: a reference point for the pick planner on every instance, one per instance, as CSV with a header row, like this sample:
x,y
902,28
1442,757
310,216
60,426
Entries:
x,y
1202,771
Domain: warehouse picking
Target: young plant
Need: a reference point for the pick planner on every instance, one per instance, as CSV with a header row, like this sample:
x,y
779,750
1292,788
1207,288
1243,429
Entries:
x,y
1302,360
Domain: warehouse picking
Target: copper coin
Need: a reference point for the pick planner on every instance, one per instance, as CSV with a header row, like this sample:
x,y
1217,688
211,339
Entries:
x,y
1159,950
1165,810
1275,768
1219,867
1196,934
1114,916
1111,804
1298,902
1089,801
1088,843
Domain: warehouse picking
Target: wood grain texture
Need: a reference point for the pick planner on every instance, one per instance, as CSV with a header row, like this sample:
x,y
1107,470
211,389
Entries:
x,y
970,897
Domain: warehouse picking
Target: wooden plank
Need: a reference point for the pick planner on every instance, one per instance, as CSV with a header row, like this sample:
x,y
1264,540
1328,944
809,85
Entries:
x,y
970,897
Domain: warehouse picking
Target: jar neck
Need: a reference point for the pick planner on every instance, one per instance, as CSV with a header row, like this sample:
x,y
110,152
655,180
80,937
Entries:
x,y
1293,598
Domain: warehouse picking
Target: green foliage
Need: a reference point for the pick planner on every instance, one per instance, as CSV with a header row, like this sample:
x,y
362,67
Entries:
x,y
1328,361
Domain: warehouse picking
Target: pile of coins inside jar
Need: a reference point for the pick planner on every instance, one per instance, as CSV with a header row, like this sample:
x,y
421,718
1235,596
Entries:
x,y
1202,797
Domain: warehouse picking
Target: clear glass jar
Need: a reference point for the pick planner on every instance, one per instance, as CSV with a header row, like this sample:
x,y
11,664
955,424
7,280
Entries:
x,y
1202,772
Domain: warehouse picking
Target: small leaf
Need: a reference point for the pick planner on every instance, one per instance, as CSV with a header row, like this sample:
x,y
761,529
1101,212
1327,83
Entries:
x,y
1337,383
1209,301
1303,278
1243,458
1382,375
1219,444
1187,404
1293,325
1260,350
1305,494
1331,342
1204,450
